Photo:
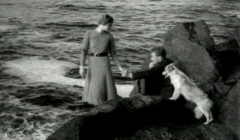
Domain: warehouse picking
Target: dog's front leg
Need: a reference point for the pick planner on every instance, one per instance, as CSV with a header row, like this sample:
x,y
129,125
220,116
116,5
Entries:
x,y
176,94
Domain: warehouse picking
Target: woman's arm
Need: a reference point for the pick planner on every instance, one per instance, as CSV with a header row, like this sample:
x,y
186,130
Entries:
x,y
114,54
84,50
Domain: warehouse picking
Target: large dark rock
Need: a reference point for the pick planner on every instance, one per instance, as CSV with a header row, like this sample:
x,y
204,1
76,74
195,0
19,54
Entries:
x,y
213,131
228,56
237,33
230,111
139,118
186,44
203,35
123,117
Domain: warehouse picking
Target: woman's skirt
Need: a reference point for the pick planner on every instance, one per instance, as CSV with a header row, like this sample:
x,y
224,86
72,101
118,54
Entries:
x,y
99,82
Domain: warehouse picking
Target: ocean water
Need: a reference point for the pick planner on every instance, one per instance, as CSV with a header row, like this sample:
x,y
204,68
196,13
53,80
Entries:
x,y
40,44
139,24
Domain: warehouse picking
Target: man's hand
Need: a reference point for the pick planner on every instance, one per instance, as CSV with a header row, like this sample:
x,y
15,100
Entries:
x,y
151,65
123,70
126,73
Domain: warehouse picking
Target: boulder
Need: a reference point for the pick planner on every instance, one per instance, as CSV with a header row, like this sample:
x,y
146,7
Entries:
x,y
123,117
203,34
228,56
187,44
229,113
140,118
213,131
237,33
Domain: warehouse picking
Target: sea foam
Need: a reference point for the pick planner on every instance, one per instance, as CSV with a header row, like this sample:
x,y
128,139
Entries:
x,y
35,70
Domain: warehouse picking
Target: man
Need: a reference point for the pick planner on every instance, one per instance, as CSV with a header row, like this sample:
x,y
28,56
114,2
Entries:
x,y
150,81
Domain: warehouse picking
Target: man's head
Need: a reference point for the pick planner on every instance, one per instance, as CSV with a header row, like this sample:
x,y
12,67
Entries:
x,y
157,54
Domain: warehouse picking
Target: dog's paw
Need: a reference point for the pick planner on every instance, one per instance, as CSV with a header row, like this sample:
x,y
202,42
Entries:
x,y
206,123
211,120
171,98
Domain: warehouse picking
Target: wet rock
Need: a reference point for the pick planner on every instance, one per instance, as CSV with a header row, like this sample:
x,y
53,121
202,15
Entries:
x,y
228,56
140,118
213,131
237,33
45,100
230,111
203,34
82,106
186,44
123,117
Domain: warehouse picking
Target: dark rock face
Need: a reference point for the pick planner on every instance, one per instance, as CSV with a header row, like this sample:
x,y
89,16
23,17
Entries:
x,y
228,55
123,117
126,119
230,111
203,35
186,45
237,34
181,132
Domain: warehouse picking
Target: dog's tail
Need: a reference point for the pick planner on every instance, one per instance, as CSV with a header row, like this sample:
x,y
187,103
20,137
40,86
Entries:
x,y
198,113
206,105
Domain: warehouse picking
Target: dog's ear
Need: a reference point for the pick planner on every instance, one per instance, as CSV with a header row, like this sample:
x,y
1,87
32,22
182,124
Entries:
x,y
170,68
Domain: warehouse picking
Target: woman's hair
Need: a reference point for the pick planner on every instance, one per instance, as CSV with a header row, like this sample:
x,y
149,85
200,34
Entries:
x,y
105,19
159,51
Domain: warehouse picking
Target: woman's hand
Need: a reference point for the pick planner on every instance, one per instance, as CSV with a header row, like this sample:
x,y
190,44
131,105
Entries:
x,y
81,71
121,69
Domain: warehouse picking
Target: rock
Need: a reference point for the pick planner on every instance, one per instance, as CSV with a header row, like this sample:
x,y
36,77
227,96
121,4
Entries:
x,y
237,33
229,115
222,88
186,45
203,34
123,117
46,100
213,131
228,56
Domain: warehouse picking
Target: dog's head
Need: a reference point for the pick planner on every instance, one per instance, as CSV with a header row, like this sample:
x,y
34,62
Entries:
x,y
169,69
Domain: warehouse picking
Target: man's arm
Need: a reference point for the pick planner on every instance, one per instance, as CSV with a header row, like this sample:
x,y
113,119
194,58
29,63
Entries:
x,y
159,68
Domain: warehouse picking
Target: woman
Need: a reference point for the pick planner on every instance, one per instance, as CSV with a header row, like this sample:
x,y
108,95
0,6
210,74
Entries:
x,y
99,82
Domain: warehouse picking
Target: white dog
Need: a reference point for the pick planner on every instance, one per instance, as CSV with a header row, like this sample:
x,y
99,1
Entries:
x,y
183,85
